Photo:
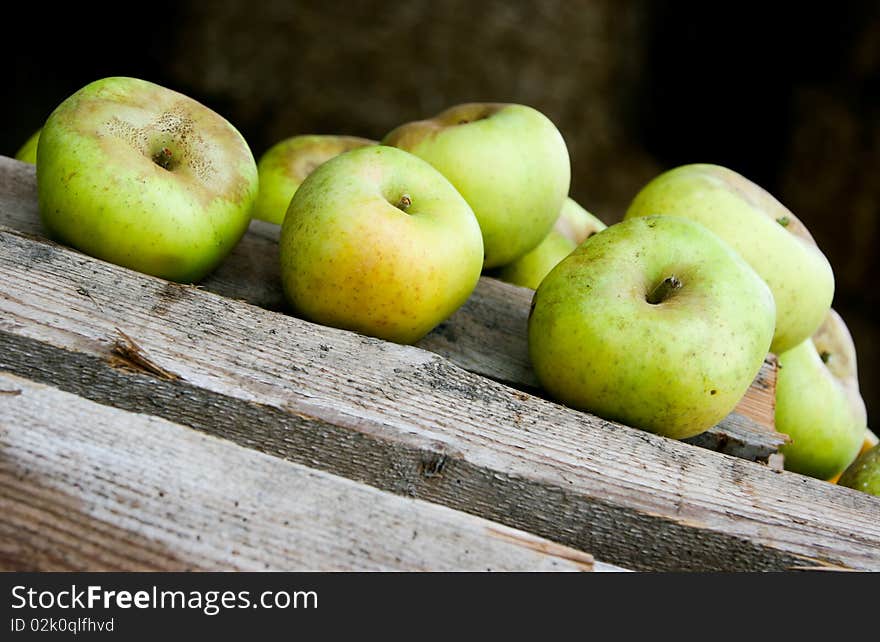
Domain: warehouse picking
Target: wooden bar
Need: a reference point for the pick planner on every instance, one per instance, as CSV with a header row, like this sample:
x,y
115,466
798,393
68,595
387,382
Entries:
x,y
487,336
86,487
406,420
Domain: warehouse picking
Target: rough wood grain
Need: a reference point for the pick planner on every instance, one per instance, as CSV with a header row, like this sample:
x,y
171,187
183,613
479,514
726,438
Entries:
x,y
406,420
486,336
85,487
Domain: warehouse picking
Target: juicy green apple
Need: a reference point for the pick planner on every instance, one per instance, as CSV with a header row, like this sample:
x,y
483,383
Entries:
x,y
818,403
573,226
508,161
654,322
27,153
864,473
767,235
286,165
145,177
377,241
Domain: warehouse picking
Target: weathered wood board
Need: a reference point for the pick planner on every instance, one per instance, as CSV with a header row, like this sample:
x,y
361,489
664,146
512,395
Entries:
x,y
486,336
86,487
409,421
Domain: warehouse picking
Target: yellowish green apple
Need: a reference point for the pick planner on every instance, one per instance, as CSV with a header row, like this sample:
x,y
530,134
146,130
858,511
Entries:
x,y
508,161
655,322
286,165
377,241
572,227
864,473
767,235
27,153
818,404
145,177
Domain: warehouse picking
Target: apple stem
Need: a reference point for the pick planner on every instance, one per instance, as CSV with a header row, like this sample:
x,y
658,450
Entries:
x,y
664,290
404,202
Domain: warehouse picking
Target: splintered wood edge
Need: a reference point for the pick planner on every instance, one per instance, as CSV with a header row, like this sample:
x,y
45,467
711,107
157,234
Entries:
x,y
150,508
486,336
405,420
127,353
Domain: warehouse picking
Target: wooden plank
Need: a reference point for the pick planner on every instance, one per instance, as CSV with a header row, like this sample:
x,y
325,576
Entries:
x,y
486,336
86,487
406,420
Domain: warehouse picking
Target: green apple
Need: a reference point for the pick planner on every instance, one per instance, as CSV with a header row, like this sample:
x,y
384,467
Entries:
x,y
864,473
767,235
286,165
28,152
145,177
508,161
818,403
572,227
655,322
377,241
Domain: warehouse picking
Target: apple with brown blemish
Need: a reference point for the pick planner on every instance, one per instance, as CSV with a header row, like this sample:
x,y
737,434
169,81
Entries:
x,y
377,241
286,165
145,177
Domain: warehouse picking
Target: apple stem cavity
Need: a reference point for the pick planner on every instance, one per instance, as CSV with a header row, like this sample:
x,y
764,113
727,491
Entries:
x,y
163,158
663,290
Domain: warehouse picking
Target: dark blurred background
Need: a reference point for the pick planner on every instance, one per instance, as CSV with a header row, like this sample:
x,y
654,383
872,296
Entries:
x,y
786,93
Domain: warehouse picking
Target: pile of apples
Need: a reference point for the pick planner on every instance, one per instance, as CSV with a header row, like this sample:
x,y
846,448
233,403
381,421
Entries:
x,y
660,321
